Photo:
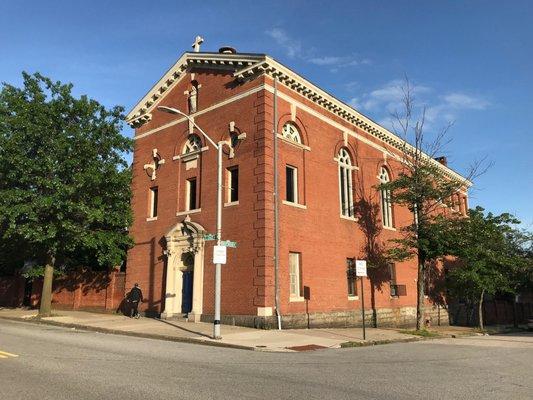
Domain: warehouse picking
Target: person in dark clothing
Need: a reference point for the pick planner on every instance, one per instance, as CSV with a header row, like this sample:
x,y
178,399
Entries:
x,y
134,297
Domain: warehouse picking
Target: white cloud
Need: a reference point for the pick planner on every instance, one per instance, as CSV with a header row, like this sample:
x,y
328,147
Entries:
x,y
294,49
464,101
440,109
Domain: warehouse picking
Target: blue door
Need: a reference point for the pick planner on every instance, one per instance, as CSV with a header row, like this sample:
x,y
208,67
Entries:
x,y
186,292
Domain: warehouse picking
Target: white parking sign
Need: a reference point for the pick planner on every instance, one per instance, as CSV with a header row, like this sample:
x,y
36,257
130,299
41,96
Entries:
x,y
360,267
219,254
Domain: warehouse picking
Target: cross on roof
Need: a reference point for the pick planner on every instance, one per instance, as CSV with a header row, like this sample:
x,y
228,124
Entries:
x,y
198,40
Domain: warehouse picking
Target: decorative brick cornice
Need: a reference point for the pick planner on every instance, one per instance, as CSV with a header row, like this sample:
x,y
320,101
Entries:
x,y
250,66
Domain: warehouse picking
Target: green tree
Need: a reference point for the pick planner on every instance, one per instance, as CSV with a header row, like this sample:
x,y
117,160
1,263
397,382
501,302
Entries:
x,y
492,258
423,188
64,182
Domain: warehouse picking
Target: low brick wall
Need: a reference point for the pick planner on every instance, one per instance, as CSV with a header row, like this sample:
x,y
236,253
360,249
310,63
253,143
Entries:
x,y
12,291
85,290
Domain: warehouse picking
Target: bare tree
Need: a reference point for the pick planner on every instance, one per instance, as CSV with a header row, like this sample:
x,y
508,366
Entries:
x,y
425,188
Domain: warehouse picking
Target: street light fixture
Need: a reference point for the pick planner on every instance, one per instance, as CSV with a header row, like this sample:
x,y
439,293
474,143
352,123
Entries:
x,y
216,321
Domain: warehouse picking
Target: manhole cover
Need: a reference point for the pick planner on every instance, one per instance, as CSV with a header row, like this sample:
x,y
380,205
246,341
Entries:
x,y
307,347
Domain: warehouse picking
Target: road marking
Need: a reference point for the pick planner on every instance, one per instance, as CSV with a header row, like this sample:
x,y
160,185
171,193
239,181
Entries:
x,y
5,354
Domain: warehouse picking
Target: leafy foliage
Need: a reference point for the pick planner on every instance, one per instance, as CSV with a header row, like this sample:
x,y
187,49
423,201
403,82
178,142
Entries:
x,y
64,182
494,256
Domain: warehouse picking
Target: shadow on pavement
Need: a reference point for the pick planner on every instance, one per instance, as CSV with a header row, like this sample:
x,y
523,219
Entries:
x,y
182,328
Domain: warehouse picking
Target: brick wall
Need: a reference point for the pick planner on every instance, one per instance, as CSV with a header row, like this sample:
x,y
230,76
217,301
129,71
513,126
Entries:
x,y
101,291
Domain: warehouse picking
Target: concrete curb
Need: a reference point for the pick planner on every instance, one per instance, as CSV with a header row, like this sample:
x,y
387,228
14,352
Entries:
x,y
129,333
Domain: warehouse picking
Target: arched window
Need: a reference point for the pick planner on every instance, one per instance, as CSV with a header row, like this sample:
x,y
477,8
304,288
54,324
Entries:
x,y
345,183
290,132
192,144
385,198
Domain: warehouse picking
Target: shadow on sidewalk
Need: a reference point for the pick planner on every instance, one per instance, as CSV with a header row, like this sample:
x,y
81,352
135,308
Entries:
x,y
182,328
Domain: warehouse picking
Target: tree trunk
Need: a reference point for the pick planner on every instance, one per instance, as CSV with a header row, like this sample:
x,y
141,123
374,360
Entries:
x,y
46,294
420,295
480,311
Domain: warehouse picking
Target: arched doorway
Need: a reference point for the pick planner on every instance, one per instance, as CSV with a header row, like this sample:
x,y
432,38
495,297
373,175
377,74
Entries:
x,y
184,271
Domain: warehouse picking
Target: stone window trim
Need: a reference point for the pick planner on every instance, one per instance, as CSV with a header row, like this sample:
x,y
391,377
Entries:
x,y
345,182
195,211
387,214
353,298
190,156
293,299
296,205
153,200
292,143
150,219
231,203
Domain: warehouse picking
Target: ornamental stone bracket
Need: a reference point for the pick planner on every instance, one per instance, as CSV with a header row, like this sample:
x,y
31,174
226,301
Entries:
x,y
151,168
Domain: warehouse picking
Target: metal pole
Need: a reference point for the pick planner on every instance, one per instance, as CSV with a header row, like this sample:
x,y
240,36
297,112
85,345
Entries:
x,y
276,207
216,321
363,308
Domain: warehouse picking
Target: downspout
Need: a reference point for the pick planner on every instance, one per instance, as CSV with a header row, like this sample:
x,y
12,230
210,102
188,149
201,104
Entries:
x,y
276,206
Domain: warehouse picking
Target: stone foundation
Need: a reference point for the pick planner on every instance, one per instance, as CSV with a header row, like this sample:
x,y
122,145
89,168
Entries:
x,y
384,317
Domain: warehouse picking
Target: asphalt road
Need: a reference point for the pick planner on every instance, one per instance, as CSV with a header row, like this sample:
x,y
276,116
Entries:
x,y
58,363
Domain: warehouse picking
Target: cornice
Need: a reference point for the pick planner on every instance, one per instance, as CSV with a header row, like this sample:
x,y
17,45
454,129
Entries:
x,y
250,66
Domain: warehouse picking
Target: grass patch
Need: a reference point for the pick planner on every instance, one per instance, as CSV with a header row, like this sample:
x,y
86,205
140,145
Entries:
x,y
421,332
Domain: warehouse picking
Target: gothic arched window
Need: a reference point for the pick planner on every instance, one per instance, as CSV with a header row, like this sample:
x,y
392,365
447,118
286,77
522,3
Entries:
x,y
385,199
193,144
345,183
290,132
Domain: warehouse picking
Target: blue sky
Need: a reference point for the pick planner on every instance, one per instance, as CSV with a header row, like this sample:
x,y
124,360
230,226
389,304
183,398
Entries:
x,y
469,61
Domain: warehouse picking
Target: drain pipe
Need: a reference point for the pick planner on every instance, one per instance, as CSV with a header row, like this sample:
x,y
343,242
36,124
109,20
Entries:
x,y
276,205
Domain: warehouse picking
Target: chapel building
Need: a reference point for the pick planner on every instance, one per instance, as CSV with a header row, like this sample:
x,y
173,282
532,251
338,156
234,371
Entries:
x,y
330,160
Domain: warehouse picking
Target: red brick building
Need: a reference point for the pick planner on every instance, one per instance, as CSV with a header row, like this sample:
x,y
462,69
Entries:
x,y
331,158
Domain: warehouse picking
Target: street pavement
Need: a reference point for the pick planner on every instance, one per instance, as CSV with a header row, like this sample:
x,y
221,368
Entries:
x,y
48,362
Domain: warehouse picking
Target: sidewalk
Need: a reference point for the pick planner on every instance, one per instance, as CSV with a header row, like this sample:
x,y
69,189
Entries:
x,y
232,336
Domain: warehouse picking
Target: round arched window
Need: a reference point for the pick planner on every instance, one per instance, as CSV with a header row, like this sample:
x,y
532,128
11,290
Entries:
x,y
291,133
192,144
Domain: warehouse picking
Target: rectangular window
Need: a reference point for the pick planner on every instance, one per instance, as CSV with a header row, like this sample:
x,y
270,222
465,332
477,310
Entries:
x,y
352,277
154,194
291,182
393,283
191,194
295,273
233,184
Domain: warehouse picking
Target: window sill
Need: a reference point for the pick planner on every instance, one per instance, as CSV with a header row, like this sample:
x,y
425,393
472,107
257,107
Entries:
x,y
290,203
353,298
150,219
190,156
299,145
296,299
196,210
349,218
389,228
231,203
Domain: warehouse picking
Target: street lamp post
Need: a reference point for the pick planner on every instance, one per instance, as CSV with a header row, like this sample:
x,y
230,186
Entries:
x,y
218,280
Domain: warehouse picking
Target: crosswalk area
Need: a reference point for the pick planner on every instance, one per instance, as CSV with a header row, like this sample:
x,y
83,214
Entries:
x,y
5,354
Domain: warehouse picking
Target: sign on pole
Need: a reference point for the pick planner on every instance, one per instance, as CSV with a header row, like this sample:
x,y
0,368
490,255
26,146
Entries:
x,y
228,243
360,270
360,267
219,254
